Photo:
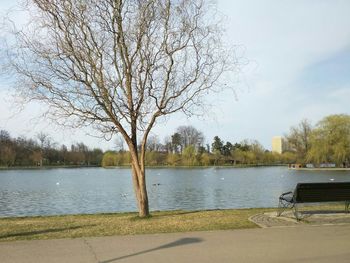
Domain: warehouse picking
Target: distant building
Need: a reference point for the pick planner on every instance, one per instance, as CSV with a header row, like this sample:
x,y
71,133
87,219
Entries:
x,y
278,144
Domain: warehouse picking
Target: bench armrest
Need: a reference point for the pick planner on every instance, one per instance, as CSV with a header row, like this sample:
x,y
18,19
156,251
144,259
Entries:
x,y
286,193
287,197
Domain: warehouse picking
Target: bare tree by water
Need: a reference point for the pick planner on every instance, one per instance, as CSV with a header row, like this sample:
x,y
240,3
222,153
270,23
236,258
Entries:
x,y
118,66
44,142
190,136
298,139
153,143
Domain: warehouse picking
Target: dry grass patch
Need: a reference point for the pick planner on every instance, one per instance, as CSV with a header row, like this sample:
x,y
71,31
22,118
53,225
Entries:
x,y
73,226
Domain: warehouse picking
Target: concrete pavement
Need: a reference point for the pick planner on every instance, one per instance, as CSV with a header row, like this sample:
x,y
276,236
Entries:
x,y
285,244
270,219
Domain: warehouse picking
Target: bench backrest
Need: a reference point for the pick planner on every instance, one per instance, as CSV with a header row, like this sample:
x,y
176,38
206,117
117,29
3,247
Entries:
x,y
322,192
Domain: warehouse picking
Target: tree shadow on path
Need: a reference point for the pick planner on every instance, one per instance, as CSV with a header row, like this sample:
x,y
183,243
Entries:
x,y
180,242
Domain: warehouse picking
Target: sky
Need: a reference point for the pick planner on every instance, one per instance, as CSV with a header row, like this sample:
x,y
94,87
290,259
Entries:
x,y
298,55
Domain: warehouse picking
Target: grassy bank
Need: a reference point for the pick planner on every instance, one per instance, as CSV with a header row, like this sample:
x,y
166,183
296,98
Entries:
x,y
73,226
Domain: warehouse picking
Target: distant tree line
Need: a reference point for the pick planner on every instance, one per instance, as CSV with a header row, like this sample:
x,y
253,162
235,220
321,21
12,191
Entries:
x,y
185,147
326,142
43,151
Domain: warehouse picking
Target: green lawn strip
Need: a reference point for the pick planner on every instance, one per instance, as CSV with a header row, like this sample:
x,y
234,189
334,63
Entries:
x,y
73,226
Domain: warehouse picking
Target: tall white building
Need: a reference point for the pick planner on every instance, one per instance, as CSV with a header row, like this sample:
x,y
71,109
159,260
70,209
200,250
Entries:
x,y
277,144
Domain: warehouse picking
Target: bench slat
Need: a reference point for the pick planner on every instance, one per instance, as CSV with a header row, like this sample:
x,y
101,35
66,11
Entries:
x,y
322,192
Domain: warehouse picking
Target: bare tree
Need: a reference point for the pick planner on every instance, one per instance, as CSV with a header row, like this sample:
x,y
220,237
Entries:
x,y
44,143
168,147
119,65
119,144
153,143
43,138
190,136
298,139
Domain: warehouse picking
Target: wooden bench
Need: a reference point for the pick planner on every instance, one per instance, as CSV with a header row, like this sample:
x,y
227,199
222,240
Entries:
x,y
315,193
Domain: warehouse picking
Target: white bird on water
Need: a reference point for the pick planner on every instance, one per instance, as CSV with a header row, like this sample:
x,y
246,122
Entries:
x,y
331,179
58,183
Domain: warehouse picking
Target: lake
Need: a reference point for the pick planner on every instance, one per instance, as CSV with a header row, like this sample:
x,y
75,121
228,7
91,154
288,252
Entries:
x,y
99,190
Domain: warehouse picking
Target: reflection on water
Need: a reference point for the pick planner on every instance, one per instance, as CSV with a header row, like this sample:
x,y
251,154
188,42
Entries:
x,y
97,190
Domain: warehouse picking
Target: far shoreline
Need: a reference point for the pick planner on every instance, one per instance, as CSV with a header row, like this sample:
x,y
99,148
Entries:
x,y
3,168
320,169
14,168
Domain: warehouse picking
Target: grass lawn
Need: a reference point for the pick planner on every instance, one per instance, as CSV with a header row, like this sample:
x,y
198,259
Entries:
x,y
73,226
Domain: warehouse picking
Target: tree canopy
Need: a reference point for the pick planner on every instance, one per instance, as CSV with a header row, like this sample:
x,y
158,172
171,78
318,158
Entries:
x,y
330,140
119,65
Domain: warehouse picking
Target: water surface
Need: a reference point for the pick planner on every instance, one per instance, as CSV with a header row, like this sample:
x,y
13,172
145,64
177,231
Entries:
x,y
98,190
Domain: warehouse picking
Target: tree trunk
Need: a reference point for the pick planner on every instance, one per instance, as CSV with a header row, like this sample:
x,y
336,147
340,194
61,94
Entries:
x,y
143,201
139,181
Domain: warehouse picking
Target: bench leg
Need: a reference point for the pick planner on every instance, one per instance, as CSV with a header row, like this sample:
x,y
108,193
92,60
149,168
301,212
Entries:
x,y
283,205
280,208
296,212
347,203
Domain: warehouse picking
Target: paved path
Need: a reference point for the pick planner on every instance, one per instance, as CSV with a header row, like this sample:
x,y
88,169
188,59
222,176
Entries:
x,y
287,244
270,219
